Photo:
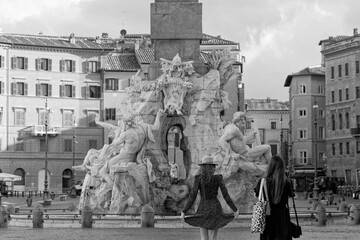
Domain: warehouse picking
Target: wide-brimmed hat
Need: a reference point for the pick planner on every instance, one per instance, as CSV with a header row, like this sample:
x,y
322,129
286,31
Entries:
x,y
208,160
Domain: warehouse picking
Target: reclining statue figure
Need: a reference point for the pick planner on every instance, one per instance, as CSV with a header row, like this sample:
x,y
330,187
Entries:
x,y
238,155
128,146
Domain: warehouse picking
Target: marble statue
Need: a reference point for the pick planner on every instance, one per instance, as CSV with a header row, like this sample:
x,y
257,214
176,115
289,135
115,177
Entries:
x,y
131,144
134,169
125,152
238,155
95,159
174,83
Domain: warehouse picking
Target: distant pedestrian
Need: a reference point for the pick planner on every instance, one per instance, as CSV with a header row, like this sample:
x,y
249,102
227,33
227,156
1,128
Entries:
x,y
277,226
209,216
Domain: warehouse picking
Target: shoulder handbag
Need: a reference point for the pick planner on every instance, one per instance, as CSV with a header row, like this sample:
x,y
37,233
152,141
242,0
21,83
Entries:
x,y
259,211
295,228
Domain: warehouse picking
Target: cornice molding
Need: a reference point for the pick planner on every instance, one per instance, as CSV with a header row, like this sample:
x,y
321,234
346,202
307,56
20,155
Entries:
x,y
58,49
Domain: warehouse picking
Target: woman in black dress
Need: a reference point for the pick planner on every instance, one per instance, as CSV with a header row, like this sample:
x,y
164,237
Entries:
x,y
277,226
209,216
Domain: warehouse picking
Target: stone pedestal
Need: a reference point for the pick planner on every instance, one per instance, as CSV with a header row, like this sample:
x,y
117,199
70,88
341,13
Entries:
x,y
38,217
86,217
147,217
355,214
4,217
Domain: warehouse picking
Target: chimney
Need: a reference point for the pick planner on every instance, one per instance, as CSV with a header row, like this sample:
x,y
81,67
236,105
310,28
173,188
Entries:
x,y
97,40
72,38
355,31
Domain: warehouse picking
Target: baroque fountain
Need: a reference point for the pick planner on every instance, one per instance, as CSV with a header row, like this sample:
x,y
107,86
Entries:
x,y
134,170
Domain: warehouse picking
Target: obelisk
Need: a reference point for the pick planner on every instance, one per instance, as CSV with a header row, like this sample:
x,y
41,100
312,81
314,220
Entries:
x,y
176,27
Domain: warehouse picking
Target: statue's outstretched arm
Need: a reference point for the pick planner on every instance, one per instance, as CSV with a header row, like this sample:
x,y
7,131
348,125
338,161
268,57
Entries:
x,y
104,124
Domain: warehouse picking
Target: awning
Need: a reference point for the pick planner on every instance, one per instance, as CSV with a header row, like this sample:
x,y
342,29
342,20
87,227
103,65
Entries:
x,y
7,177
308,173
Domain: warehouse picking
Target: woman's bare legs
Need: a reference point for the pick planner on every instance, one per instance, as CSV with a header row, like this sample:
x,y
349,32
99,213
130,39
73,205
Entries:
x,y
213,234
204,234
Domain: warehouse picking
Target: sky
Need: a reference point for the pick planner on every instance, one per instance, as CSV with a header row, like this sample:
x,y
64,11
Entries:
x,y
277,37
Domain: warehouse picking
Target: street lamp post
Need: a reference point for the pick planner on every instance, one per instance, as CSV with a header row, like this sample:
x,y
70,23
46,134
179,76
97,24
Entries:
x,y
73,173
46,191
73,157
281,137
316,189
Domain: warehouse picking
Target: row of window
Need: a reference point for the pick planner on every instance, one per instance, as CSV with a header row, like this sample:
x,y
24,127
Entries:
x,y
302,133
45,89
67,145
273,125
303,112
46,64
67,117
343,148
347,96
303,157
346,70
303,89
66,90
116,84
341,123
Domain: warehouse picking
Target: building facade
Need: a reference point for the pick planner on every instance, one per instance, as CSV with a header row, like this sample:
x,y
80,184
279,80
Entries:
x,y
270,117
53,82
307,122
341,59
51,90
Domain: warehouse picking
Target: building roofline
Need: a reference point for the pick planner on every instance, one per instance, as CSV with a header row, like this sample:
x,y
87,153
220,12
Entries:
x,y
305,72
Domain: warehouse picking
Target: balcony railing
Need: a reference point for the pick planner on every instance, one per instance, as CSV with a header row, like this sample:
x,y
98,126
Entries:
x,y
37,130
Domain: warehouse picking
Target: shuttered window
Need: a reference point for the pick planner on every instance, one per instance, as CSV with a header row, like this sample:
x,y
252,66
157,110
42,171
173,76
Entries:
x,y
19,88
110,114
2,61
2,87
43,89
68,118
67,65
19,117
42,117
68,145
43,64
19,63
112,84
91,66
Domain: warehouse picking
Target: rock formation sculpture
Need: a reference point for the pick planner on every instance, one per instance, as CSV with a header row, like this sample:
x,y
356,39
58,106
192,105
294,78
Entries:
x,y
123,176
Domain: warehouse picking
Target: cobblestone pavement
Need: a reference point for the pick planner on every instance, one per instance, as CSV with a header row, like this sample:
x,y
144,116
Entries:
x,y
309,233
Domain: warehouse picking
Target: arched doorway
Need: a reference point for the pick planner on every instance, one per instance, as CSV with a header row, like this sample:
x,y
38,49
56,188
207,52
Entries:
x,y
19,185
174,153
41,180
178,123
66,179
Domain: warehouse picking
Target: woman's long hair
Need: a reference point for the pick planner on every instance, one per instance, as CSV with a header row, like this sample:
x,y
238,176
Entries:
x,y
276,177
206,173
